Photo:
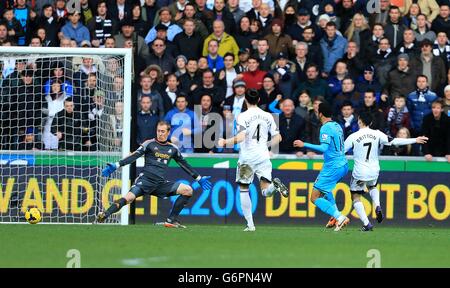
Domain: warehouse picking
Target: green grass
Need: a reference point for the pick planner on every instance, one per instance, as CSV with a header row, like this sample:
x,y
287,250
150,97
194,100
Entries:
x,y
220,246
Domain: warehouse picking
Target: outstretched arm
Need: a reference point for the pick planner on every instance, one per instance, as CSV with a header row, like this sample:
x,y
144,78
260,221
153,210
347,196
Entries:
x,y
319,148
111,167
407,141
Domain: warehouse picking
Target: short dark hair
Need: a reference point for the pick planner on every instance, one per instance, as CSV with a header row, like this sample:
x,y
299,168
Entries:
x,y
308,28
325,109
331,24
346,103
366,118
370,91
252,96
254,58
228,54
422,76
167,124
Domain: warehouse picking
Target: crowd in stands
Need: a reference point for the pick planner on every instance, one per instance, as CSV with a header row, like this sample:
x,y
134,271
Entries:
x,y
393,62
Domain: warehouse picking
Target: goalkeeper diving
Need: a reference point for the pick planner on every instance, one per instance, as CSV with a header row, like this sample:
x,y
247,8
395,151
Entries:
x,y
158,153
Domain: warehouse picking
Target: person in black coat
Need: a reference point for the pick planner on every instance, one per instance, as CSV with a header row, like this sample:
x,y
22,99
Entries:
x,y
292,127
436,126
68,127
188,42
49,22
146,121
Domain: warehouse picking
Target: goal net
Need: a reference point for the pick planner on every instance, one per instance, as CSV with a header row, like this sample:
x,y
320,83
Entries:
x,y
65,113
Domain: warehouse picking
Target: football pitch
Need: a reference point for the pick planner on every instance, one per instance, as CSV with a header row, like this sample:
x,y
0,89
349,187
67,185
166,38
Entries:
x,y
221,246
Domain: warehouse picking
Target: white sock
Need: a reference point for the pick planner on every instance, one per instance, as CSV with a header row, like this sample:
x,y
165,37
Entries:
x,y
268,191
246,206
359,207
375,195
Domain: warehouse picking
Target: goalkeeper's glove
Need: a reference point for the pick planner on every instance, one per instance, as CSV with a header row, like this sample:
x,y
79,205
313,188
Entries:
x,y
204,182
109,169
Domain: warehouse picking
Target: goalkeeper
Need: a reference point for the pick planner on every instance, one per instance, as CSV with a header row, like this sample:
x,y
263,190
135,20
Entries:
x,y
158,153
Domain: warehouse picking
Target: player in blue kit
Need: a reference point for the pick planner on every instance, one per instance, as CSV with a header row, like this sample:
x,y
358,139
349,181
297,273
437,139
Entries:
x,y
335,167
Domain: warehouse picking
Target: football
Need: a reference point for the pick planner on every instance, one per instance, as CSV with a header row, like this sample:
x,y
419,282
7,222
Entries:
x,y
33,216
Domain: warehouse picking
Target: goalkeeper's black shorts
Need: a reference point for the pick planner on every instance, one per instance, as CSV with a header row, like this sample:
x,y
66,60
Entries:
x,y
144,185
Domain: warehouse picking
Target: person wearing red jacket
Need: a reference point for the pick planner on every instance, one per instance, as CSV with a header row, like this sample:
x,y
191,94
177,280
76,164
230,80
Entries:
x,y
253,78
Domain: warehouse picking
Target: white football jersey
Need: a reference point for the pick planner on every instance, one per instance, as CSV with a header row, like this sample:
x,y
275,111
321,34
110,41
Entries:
x,y
366,144
257,125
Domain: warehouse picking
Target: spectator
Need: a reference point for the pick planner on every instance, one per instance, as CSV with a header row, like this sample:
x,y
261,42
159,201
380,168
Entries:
x,y
428,7
242,65
110,42
116,122
352,57
394,28
182,120
228,74
180,63
27,18
3,33
436,126
419,103
227,42
191,79
101,27
313,125
409,44
447,100
314,49
370,45
410,16
160,57
278,41
304,104
140,25
146,120
383,61
207,120
169,95
83,99
61,12
199,27
29,141
370,106
127,32
314,84
87,67
441,48
442,22
97,116
219,12
333,47
68,127
262,53
233,7
15,29
348,94
157,107
292,127
284,73
87,12
245,38
335,81
75,30
253,77
208,87
347,119
303,21
55,98
301,61
369,81
165,19
358,29
400,80
120,9
423,31
398,117
236,102
149,12
431,66
270,95
215,61
404,150
189,42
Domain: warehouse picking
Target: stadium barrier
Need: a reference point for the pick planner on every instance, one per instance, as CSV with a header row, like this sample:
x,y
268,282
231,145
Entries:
x,y
413,192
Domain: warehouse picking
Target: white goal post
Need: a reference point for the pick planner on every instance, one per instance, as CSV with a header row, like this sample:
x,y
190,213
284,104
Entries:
x,y
65,113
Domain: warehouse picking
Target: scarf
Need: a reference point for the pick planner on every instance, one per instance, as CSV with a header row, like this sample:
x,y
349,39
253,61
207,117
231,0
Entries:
x,y
437,51
385,54
348,121
103,29
396,117
421,95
